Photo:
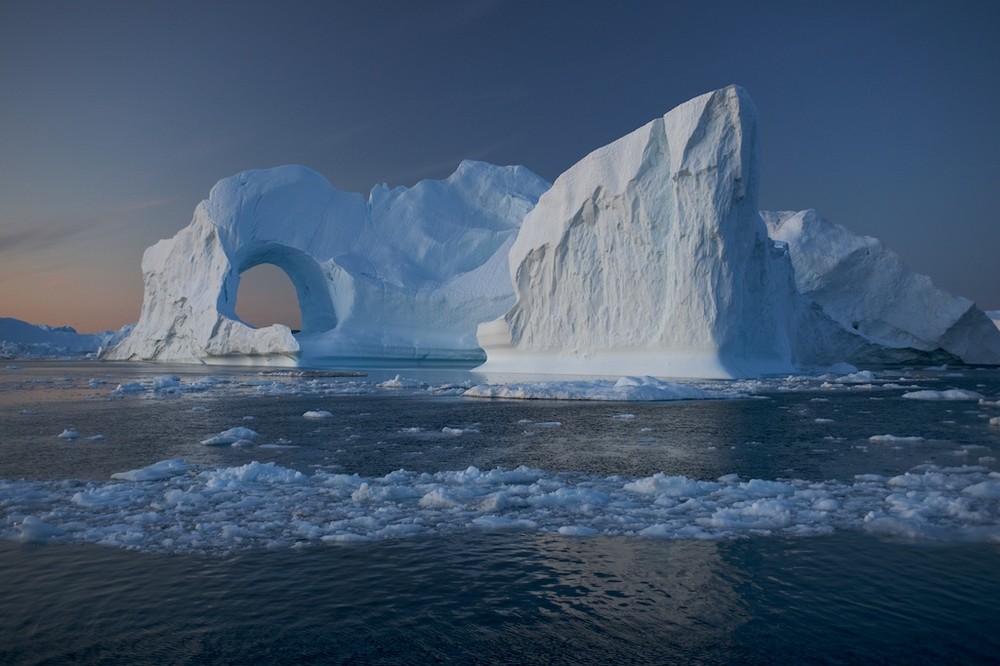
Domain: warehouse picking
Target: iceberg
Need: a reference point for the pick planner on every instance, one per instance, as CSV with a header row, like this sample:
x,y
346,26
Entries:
x,y
649,257
868,289
407,273
20,339
994,316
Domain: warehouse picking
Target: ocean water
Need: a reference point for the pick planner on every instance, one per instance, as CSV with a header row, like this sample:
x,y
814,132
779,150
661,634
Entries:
x,y
803,519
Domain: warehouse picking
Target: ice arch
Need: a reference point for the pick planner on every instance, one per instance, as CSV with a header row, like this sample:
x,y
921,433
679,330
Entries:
x,y
306,275
407,273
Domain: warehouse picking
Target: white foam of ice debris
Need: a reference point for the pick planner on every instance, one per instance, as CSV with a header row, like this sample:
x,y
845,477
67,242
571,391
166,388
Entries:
x,y
176,508
231,436
950,394
634,389
317,414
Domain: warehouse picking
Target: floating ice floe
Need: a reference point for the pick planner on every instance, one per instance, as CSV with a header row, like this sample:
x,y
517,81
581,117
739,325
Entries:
x,y
232,437
949,394
172,507
892,439
317,414
164,469
399,382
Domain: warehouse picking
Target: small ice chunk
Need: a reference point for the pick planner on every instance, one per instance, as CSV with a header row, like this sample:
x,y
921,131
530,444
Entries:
x,y
96,438
164,469
231,436
861,377
128,387
33,528
317,414
577,530
68,434
166,382
458,431
995,421
883,439
950,394
984,489
624,417
398,382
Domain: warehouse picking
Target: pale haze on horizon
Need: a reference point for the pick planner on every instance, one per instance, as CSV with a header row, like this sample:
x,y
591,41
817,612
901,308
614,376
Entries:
x,y
117,118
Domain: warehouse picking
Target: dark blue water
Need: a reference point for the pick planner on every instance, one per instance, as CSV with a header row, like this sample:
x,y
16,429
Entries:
x,y
846,593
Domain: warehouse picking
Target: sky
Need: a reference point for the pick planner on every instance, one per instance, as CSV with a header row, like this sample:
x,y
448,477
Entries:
x,y
116,118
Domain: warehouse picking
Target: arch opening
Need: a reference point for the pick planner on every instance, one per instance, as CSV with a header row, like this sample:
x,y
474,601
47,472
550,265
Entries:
x,y
266,296
277,265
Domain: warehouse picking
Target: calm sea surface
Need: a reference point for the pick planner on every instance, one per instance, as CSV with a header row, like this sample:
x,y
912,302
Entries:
x,y
807,520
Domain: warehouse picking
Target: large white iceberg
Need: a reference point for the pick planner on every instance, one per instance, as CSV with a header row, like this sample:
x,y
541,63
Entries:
x,y
406,273
867,288
649,257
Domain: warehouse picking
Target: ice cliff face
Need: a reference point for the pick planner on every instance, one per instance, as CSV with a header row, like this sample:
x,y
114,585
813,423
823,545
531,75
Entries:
x,y
867,289
407,273
649,257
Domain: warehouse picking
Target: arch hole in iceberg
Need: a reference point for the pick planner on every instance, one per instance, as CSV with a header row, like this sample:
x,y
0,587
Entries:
x,y
270,267
267,296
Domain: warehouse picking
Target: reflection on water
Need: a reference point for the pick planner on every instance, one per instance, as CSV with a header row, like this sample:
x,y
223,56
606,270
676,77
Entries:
x,y
506,598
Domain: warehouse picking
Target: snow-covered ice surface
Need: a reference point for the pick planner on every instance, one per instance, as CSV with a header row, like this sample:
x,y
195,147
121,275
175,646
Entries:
x,y
406,273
